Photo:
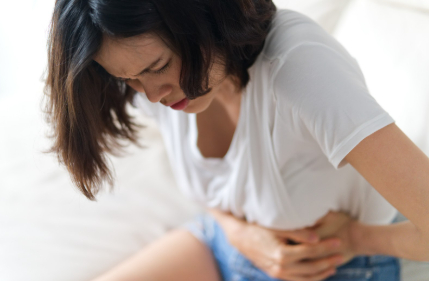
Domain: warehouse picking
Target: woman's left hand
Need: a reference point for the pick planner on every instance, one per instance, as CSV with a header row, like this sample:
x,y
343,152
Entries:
x,y
338,224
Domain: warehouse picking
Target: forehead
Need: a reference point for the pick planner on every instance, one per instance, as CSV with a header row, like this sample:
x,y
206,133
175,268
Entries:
x,y
128,56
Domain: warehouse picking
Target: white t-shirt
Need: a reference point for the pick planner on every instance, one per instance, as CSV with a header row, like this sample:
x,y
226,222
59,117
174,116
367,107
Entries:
x,y
305,108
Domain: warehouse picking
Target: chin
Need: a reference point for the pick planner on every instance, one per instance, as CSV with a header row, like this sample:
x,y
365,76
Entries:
x,y
191,109
195,108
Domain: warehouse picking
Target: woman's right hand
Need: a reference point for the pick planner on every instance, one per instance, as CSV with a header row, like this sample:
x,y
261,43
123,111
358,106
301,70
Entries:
x,y
269,250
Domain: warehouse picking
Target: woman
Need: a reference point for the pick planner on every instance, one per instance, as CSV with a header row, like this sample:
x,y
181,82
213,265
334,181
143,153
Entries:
x,y
260,111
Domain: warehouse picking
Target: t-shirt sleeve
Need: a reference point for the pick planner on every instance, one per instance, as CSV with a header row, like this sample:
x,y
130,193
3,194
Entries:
x,y
325,92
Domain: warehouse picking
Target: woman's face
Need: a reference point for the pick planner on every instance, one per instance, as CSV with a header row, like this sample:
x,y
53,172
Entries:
x,y
149,66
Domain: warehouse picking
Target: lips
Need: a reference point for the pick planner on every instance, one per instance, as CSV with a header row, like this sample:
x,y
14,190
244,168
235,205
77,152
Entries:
x,y
182,104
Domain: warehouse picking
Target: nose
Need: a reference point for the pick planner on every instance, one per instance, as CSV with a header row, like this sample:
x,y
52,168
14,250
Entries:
x,y
153,93
157,93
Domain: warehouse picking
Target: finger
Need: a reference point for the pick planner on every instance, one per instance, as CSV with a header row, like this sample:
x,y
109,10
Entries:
x,y
315,266
316,277
300,235
312,251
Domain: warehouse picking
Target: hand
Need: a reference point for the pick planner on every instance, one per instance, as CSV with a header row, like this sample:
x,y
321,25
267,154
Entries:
x,y
269,250
340,225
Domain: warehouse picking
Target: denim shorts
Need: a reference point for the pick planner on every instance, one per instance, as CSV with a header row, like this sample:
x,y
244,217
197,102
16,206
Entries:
x,y
235,267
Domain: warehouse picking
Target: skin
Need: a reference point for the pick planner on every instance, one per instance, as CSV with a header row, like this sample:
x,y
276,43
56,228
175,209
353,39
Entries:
x,y
398,170
217,111
177,255
125,59
314,258
387,159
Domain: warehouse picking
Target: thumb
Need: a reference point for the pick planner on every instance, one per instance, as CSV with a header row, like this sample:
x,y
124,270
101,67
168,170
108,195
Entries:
x,y
301,235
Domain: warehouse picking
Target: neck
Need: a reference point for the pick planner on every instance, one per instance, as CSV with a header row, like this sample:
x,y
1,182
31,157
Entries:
x,y
228,92
228,95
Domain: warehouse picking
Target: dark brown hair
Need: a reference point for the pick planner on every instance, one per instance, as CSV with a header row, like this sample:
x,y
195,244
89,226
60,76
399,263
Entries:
x,y
86,106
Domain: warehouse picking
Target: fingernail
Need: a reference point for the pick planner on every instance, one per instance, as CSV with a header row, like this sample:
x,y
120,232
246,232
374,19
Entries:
x,y
339,261
336,243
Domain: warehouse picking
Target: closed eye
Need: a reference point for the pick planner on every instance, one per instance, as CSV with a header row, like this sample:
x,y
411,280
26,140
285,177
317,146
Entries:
x,y
163,69
159,71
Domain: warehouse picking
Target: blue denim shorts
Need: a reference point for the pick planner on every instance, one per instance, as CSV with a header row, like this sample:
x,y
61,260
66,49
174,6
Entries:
x,y
235,267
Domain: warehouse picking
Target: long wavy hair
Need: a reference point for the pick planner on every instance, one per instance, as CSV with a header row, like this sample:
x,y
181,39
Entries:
x,y
86,106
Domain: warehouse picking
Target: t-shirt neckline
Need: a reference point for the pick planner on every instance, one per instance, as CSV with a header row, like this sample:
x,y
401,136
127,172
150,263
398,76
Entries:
x,y
193,136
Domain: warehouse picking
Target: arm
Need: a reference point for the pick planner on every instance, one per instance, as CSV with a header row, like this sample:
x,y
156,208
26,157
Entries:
x,y
269,250
399,171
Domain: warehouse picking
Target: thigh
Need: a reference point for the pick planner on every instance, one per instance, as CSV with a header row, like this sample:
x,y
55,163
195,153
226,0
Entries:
x,y
177,256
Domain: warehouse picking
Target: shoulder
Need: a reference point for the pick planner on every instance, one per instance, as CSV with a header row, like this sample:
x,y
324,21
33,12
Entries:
x,y
302,56
290,30
318,87
302,60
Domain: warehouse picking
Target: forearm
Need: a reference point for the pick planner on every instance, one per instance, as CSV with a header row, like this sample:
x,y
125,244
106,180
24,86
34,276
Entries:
x,y
402,240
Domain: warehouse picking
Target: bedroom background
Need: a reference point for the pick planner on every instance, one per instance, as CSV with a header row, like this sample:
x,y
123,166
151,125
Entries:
x,y
49,231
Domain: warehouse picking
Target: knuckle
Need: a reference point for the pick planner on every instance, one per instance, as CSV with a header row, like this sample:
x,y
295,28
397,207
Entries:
x,y
298,250
280,261
278,257
311,251
323,249
278,253
283,256
275,271
306,251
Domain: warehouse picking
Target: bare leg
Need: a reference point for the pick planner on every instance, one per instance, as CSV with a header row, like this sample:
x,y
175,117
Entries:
x,y
177,256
